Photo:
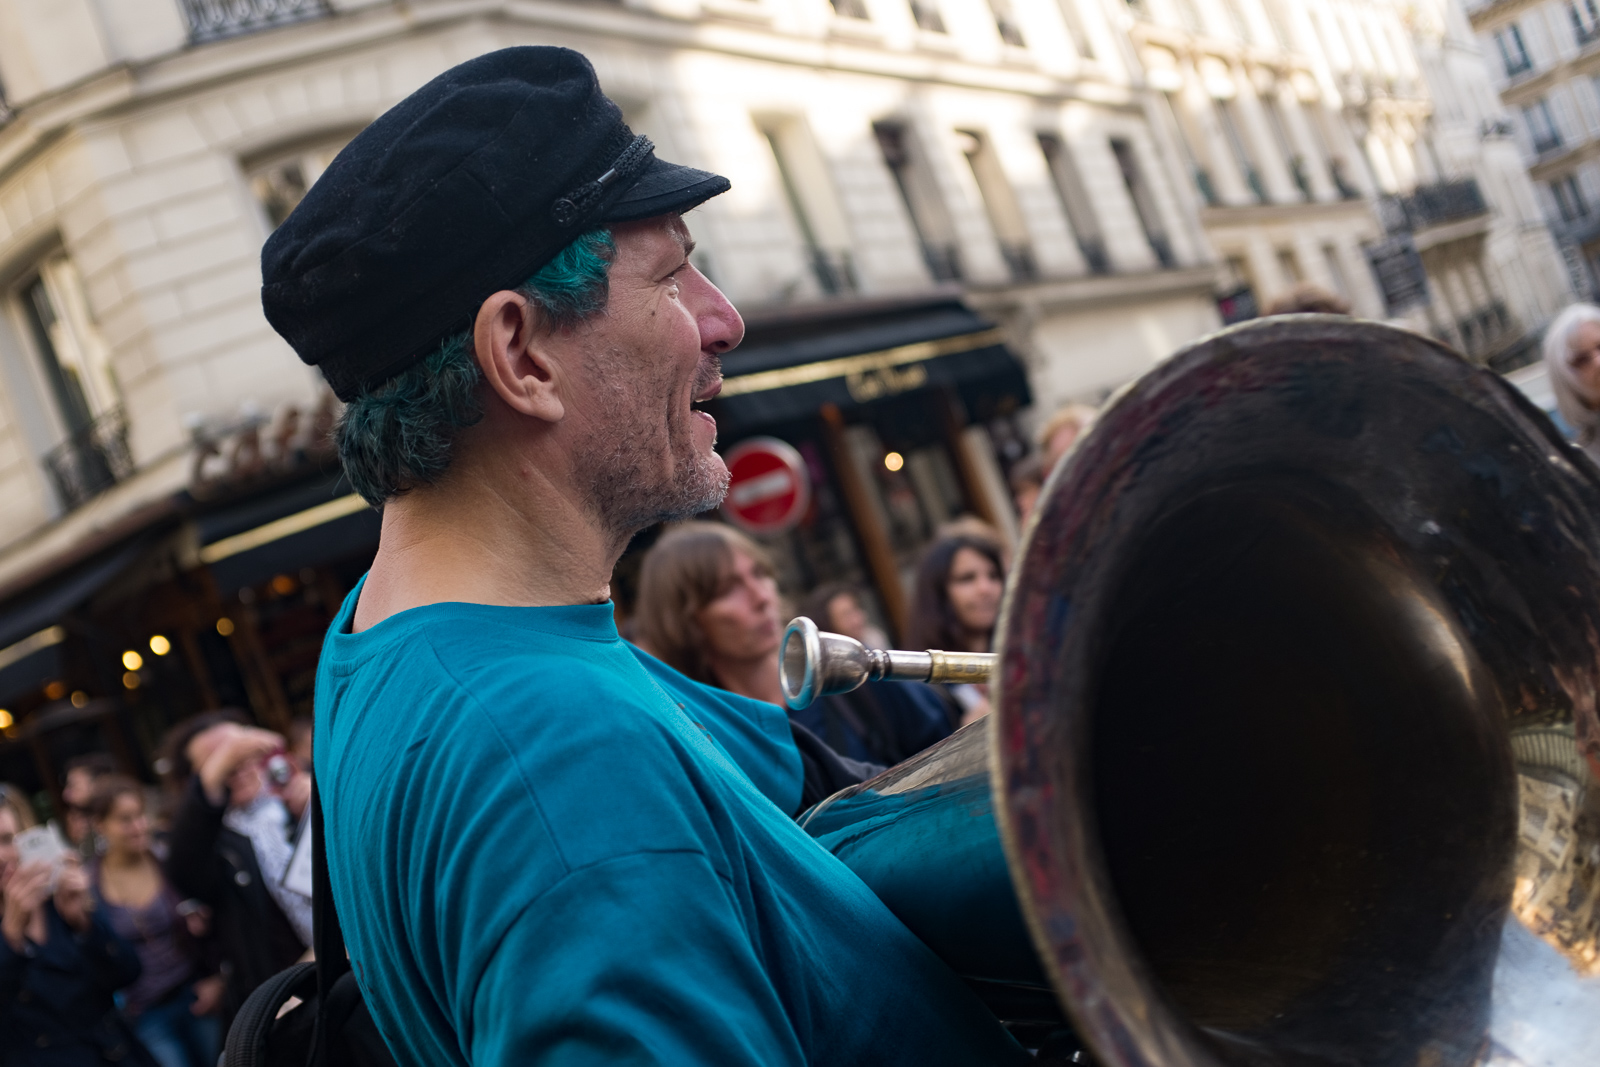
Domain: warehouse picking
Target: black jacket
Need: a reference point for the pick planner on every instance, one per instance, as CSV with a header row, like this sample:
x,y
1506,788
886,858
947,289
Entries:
x,y
55,999
211,863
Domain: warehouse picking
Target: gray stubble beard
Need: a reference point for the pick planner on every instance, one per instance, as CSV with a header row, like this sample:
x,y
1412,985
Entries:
x,y
628,495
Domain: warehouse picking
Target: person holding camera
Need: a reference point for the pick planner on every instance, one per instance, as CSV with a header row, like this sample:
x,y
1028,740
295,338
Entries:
x,y
60,966
230,844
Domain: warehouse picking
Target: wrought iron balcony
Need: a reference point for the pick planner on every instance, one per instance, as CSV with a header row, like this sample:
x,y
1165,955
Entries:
x,y
1431,205
1547,142
212,20
91,460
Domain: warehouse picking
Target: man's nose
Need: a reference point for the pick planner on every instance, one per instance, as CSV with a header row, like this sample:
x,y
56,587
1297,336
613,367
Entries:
x,y
721,327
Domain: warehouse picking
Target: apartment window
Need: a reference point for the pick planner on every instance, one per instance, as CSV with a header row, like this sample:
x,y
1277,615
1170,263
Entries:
x,y
1330,258
929,216
1000,203
1193,146
1542,126
1188,15
1237,301
76,366
926,14
1289,266
280,181
1075,203
1075,28
1144,204
1585,20
1241,24
1280,31
850,9
1005,20
1228,119
1273,106
1569,198
808,188
1513,53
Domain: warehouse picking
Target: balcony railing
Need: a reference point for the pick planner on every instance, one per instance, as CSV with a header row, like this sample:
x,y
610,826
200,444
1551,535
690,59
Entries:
x,y
212,20
1546,142
1517,65
1431,205
91,460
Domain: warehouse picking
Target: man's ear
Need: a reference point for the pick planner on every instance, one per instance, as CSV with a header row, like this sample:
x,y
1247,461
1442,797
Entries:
x,y
514,357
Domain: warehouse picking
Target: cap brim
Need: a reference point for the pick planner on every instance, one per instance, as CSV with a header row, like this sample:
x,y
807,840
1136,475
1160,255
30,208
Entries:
x,y
664,187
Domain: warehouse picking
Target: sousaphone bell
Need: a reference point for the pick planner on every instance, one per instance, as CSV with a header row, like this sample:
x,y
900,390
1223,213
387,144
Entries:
x,y
1294,745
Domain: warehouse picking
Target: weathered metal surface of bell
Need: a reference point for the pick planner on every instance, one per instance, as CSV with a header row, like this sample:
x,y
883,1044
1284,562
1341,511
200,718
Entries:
x,y
1295,749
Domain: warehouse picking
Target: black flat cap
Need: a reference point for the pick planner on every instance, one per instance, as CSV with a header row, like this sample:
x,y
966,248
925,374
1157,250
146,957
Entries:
x,y
466,187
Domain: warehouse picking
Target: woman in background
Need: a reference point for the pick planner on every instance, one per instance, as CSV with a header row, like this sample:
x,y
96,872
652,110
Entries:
x,y
709,606
955,606
1572,357
177,1021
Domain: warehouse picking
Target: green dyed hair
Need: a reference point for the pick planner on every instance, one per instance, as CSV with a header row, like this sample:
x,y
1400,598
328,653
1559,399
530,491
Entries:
x,y
399,434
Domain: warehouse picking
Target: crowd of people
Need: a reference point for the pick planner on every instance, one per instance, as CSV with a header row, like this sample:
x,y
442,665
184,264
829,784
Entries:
x,y
138,939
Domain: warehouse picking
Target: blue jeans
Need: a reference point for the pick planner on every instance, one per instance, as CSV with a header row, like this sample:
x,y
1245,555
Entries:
x,y
178,1038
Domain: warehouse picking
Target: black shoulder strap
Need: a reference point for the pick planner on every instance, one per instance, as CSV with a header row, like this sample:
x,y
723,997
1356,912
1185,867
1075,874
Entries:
x,y
327,940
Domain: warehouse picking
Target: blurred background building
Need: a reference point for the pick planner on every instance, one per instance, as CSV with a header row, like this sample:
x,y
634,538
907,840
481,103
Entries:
x,y
1356,145
1544,61
946,217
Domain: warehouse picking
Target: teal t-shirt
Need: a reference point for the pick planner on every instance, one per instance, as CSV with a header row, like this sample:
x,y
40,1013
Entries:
x,y
548,847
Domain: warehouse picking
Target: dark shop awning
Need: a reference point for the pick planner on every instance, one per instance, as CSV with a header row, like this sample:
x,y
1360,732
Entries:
x,y
790,365
30,623
304,526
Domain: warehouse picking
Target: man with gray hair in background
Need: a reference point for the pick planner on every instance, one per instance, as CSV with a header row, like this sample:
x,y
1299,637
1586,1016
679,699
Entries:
x,y
545,845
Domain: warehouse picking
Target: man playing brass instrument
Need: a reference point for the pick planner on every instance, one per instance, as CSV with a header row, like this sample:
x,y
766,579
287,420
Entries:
x,y
546,846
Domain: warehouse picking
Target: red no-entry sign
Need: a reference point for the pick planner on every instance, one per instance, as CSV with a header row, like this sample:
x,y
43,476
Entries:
x,y
769,487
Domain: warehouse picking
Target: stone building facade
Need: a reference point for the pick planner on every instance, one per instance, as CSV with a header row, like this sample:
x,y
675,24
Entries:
x,y
1544,60
1354,144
